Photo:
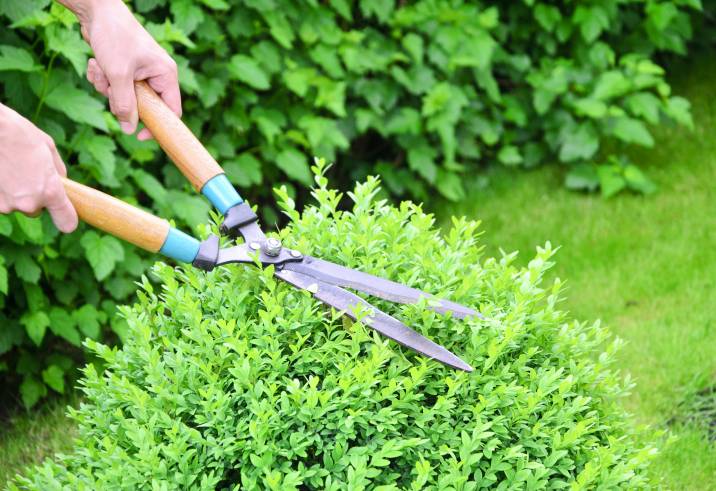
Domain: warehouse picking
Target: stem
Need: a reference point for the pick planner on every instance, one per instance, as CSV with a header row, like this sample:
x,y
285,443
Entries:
x,y
45,82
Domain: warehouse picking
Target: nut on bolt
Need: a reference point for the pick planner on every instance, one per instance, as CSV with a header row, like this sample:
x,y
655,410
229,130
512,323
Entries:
x,y
272,247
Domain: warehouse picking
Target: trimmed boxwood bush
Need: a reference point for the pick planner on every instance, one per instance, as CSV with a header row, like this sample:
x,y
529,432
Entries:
x,y
234,380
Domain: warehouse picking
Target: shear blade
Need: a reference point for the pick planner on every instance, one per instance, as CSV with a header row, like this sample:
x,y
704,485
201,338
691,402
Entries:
x,y
386,325
337,275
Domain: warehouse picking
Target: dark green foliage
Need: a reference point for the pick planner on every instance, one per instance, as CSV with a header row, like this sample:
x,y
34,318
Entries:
x,y
234,380
419,92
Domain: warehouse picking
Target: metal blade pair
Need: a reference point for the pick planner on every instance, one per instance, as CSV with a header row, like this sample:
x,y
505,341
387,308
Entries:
x,y
325,281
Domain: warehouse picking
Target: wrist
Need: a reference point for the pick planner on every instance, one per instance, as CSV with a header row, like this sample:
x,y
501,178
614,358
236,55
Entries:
x,y
87,10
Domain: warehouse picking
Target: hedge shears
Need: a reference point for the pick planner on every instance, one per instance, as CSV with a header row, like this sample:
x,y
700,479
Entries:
x,y
324,280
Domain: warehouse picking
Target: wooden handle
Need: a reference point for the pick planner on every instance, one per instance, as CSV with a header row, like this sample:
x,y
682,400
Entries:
x,y
185,150
116,217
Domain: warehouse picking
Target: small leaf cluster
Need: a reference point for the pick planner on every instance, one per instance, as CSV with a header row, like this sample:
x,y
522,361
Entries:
x,y
235,380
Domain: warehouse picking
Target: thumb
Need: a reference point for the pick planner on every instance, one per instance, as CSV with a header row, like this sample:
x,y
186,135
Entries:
x,y
60,207
123,102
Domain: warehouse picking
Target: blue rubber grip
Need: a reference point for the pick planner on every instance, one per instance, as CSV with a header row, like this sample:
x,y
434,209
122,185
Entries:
x,y
180,246
221,193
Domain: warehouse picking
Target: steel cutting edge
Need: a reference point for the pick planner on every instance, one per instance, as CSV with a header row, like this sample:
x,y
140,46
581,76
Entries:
x,y
386,325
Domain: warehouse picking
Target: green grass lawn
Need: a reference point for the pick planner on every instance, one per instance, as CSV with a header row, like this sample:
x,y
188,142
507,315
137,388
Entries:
x,y
30,437
645,265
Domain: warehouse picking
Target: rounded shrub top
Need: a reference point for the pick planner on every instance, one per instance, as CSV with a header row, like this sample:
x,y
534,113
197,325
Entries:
x,y
234,380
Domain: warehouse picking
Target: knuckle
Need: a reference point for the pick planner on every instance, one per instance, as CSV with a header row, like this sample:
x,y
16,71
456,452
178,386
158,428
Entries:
x,y
121,108
118,74
27,204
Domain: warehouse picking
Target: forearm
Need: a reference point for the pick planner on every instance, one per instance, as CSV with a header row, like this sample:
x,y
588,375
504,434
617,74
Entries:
x,y
83,9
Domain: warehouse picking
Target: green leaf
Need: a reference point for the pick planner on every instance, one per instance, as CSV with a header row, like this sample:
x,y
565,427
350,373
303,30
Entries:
x,y
592,108
331,95
31,391
27,269
450,185
631,131
421,158
414,45
269,121
87,319
244,171
661,14
294,164
18,9
279,27
77,105
102,252
5,225
475,51
70,45
406,120
3,276
679,109
54,377
382,9
18,59
580,143
248,71
186,15
62,324
637,181
99,154
189,208
644,105
300,80
610,179
150,185
343,7
509,155
582,177
216,4
547,15
31,227
611,84
592,21
36,324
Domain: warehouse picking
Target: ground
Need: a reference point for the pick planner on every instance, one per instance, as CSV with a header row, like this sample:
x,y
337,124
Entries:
x,y
645,265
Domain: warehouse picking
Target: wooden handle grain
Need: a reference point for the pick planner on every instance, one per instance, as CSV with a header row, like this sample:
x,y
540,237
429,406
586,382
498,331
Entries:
x,y
185,150
116,217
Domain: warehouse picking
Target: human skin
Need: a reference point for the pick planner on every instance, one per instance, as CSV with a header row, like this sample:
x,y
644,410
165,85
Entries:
x,y
30,165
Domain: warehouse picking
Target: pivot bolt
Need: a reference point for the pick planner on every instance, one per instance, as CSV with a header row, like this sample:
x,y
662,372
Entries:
x,y
272,247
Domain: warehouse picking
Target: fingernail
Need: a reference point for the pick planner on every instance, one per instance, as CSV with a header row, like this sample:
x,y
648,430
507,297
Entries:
x,y
126,127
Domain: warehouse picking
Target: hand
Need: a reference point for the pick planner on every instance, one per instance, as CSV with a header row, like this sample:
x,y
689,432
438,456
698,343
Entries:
x,y
30,170
125,52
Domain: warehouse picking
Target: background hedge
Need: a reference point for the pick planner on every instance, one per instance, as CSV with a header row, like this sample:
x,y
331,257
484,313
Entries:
x,y
420,92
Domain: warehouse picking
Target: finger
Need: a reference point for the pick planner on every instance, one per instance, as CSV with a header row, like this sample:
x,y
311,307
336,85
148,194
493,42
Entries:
x,y
60,207
96,77
145,135
56,158
123,101
166,84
